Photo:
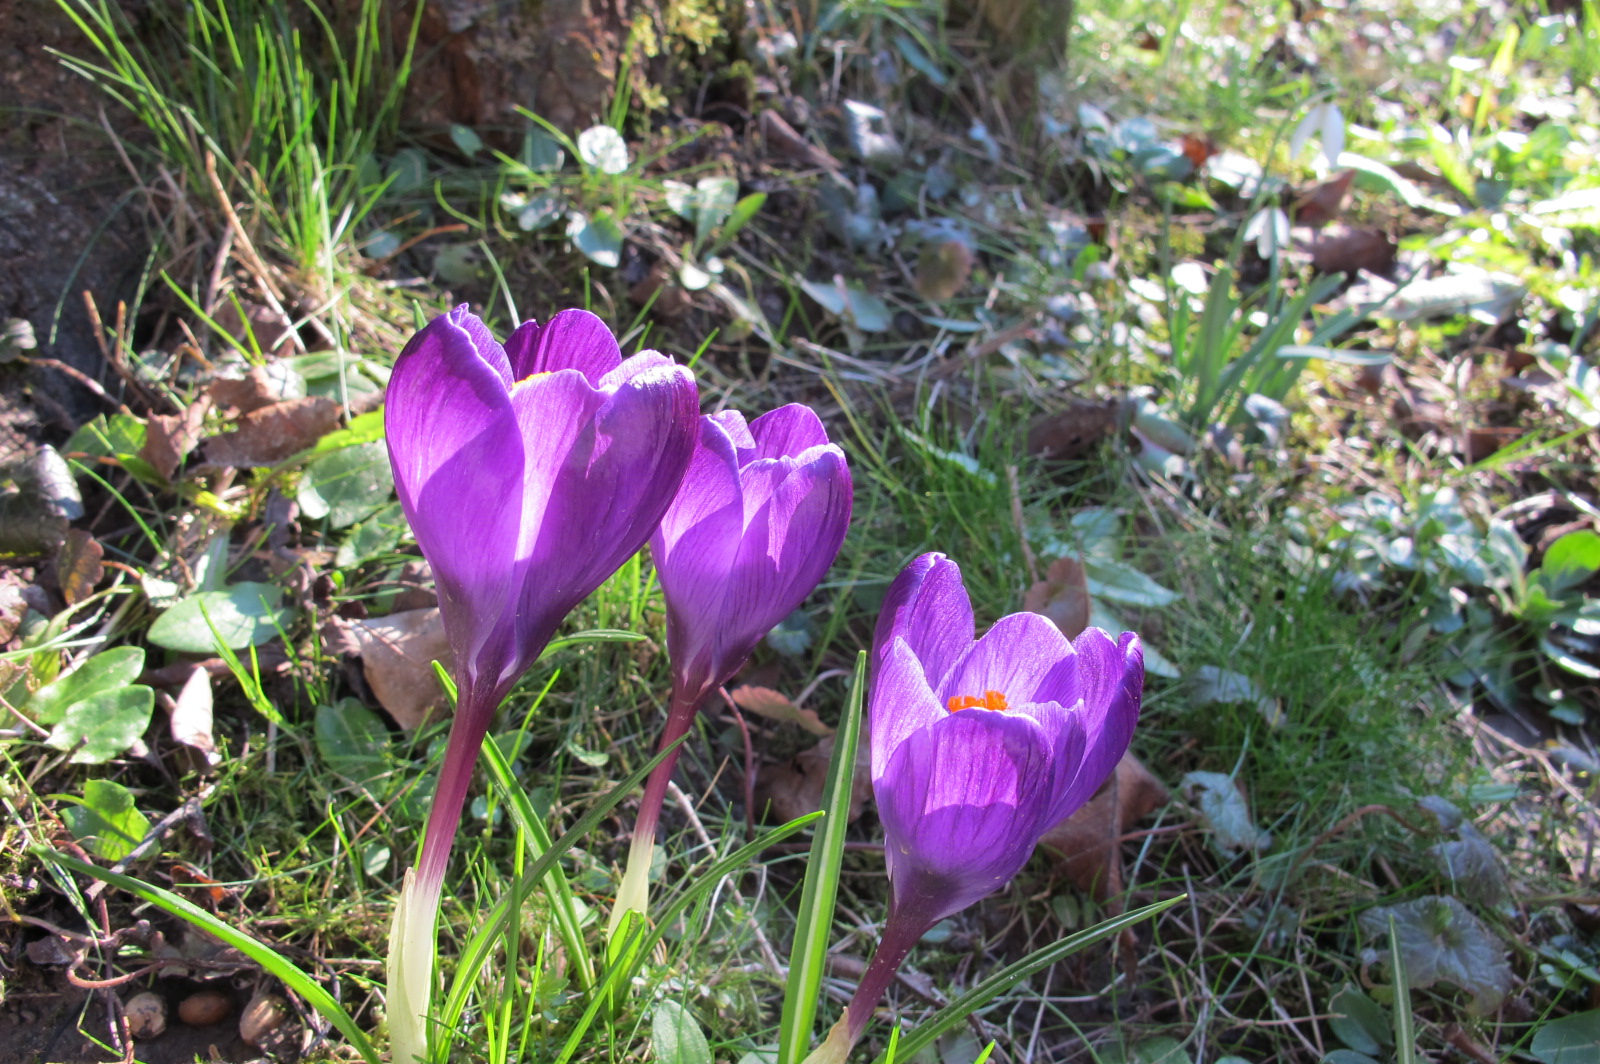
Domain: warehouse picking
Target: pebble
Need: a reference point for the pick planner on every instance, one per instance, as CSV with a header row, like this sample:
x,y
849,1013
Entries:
x,y
264,1015
147,1015
205,1008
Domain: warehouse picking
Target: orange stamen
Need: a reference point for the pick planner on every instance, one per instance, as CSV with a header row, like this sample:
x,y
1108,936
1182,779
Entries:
x,y
990,700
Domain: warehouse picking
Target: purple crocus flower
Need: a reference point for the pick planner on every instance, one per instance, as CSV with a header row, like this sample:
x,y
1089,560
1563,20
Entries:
x,y
529,473
759,519
979,748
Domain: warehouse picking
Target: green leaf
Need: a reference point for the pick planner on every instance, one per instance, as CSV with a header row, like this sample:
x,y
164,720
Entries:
x,y
108,670
106,723
275,963
808,953
352,740
1571,560
599,238
1125,584
244,615
346,485
378,534
364,428
1440,939
675,1037
1571,1039
1359,1022
108,817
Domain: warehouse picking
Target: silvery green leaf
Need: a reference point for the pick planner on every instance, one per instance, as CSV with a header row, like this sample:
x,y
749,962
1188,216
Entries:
x,y
680,198
408,170
1223,809
675,1036
1122,583
1155,663
466,139
542,152
458,264
599,238
381,245
1217,686
1440,940
715,198
604,149
1359,1022
1571,1039
540,212
867,129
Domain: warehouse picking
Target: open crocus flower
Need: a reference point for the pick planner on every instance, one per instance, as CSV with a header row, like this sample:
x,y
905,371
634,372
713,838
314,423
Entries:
x,y
529,473
759,519
978,748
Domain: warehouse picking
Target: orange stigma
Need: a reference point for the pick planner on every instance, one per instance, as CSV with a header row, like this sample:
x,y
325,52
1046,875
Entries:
x,y
990,700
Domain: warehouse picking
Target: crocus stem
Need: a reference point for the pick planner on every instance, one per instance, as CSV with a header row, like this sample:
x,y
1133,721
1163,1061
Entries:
x,y
634,893
412,944
903,929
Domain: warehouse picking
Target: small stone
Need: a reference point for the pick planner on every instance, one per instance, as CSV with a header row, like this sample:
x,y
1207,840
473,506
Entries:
x,y
205,1008
146,1014
263,1016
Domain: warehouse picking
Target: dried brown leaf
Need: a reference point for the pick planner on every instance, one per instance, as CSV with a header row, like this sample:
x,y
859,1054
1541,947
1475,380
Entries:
x,y
1325,202
273,433
79,565
1348,249
774,705
170,437
794,788
1088,844
1062,596
1075,431
261,387
191,716
397,656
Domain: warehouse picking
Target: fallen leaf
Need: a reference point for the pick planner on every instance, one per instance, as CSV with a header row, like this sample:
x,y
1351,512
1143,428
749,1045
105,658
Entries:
x,y
1198,149
261,387
1341,248
943,268
1062,596
273,433
261,324
79,565
170,437
774,705
191,716
13,606
1483,442
1088,844
793,789
1223,687
397,656
1075,431
34,517
1325,202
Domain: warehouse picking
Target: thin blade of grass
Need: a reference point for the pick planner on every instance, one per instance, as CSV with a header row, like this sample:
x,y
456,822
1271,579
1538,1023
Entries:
x,y
1405,1030
482,944
808,955
958,1010
559,891
274,962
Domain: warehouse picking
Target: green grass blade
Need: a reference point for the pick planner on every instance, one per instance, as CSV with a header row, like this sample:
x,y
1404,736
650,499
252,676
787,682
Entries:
x,y
808,956
274,962
958,1010
1405,1030
562,903
482,944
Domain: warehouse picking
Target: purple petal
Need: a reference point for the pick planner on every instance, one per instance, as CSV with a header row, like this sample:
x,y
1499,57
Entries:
x,y
928,607
1014,657
458,463
786,432
1111,676
694,550
733,424
638,365
900,702
602,472
796,517
962,803
573,339
483,341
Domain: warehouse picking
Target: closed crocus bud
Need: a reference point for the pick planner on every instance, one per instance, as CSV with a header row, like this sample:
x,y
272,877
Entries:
x,y
759,519
529,473
978,748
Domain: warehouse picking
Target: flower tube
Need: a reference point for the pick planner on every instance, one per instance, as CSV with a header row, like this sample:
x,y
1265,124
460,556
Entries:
x,y
529,474
759,519
978,749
